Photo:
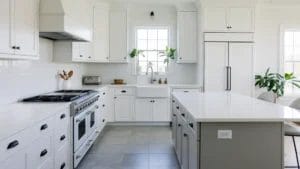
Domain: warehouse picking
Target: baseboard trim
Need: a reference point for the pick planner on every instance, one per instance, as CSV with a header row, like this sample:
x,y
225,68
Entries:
x,y
138,124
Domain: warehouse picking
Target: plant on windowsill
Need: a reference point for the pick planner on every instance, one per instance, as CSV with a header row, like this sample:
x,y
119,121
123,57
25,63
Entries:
x,y
275,82
135,53
169,53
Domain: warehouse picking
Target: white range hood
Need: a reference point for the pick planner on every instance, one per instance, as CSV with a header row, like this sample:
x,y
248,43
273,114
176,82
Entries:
x,y
65,20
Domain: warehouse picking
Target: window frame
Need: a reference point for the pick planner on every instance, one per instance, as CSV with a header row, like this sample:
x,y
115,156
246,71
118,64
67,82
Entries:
x,y
283,29
136,44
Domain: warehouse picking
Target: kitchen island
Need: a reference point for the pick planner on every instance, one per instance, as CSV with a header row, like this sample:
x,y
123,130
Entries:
x,y
230,131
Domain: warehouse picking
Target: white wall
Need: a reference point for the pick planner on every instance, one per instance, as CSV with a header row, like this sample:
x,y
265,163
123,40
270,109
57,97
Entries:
x,y
139,15
267,34
25,78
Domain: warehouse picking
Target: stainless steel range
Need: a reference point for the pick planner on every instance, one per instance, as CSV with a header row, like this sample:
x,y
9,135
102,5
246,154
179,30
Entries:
x,y
84,114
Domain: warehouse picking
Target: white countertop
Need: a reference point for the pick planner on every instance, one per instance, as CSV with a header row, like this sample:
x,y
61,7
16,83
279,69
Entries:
x,y
18,116
228,107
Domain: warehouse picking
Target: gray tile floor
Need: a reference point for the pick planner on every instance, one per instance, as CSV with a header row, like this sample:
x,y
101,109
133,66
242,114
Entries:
x,y
132,147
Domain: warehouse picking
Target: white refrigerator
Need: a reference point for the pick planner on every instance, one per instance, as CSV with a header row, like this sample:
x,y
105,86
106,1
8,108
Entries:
x,y
229,66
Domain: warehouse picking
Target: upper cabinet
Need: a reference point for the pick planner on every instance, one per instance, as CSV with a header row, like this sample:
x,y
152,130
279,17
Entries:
x,y
221,19
101,33
19,29
187,38
118,36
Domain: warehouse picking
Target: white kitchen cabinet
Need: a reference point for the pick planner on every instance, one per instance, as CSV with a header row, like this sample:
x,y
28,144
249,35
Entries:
x,y
229,66
19,29
232,19
144,110
185,147
161,110
152,110
66,51
101,33
16,161
118,36
179,132
187,38
124,108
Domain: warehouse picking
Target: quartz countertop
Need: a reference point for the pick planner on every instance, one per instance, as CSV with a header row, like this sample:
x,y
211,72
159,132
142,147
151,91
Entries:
x,y
18,116
230,107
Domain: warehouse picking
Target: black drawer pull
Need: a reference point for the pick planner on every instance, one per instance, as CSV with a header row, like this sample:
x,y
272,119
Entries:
x,y
62,116
185,135
44,127
183,115
186,91
177,107
179,125
62,165
123,91
173,101
174,115
191,125
103,120
104,93
43,153
62,137
13,144
103,105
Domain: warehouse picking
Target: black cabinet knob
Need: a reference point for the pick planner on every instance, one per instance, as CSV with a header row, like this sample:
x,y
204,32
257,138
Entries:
x,y
63,165
123,91
183,115
62,116
43,153
185,135
191,125
62,137
179,125
13,144
44,127
177,107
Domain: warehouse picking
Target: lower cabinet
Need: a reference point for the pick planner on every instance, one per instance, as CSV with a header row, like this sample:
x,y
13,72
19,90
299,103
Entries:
x,y
178,141
124,108
16,161
152,110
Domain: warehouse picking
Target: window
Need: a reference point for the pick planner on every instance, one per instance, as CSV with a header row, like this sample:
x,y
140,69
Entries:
x,y
291,53
152,42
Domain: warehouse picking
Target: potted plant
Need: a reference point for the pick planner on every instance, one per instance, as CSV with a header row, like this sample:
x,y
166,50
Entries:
x,y
275,82
169,53
135,53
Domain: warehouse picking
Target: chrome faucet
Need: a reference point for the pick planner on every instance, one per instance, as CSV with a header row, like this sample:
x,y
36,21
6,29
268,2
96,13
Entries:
x,y
149,66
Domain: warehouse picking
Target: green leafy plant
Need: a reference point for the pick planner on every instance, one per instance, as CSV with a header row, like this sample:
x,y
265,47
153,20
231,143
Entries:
x,y
275,82
169,53
135,53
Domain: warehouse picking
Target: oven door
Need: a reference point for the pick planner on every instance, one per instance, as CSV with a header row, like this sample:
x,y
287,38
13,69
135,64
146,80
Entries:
x,y
81,129
92,118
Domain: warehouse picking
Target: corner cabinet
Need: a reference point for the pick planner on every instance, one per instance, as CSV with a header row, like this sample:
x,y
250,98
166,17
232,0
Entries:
x,y
187,37
19,29
234,19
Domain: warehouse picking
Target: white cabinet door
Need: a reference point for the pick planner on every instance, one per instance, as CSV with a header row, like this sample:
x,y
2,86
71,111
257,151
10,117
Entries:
x,y
216,60
187,37
161,110
5,27
101,33
241,62
26,27
144,110
124,108
193,149
86,51
241,19
76,52
118,36
16,161
185,148
179,132
109,104
215,19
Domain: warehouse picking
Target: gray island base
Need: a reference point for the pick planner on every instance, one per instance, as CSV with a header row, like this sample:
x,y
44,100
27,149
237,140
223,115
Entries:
x,y
228,131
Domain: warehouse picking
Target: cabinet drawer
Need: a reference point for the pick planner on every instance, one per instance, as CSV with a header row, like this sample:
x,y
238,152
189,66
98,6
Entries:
x,y
44,128
124,91
39,152
186,90
15,143
61,138
61,159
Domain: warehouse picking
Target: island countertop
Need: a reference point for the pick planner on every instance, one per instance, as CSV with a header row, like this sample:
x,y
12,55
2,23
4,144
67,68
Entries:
x,y
230,107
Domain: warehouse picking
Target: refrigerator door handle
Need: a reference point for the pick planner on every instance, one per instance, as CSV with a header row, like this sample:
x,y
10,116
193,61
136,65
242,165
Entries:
x,y
228,78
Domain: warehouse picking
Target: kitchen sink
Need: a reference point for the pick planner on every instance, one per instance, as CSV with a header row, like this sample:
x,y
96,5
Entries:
x,y
153,91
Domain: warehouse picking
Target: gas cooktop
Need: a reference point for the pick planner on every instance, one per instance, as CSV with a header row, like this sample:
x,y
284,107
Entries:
x,y
60,96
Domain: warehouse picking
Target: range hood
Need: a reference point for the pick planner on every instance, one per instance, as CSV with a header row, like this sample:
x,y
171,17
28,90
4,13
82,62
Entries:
x,y
65,20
